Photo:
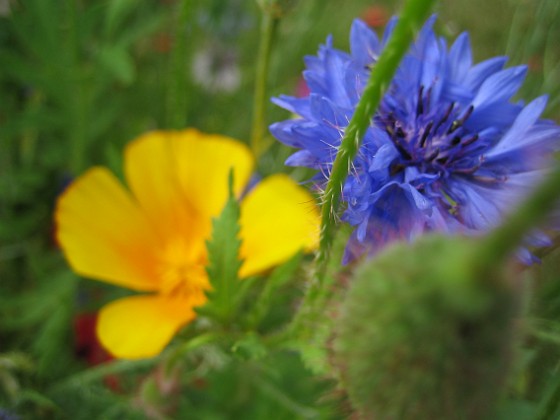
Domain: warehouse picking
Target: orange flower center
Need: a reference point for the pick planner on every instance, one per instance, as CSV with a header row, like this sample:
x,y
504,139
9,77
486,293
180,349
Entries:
x,y
183,269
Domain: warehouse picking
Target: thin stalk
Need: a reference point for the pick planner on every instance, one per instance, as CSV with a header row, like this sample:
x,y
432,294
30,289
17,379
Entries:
x,y
96,373
269,25
28,144
77,108
177,355
413,16
177,86
414,13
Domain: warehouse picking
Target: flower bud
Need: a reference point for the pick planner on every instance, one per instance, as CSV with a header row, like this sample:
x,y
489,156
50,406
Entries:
x,y
425,332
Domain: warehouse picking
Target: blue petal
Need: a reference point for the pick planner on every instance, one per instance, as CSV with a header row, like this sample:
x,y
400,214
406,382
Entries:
x,y
526,257
298,106
382,159
419,200
303,158
455,92
500,86
432,60
284,132
460,58
355,80
326,110
480,72
477,206
389,30
538,238
499,116
516,136
364,44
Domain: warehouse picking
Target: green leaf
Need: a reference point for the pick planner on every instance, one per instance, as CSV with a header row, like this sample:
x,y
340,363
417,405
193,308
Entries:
x,y
117,11
15,361
223,261
549,405
37,399
515,410
314,351
250,347
97,373
118,62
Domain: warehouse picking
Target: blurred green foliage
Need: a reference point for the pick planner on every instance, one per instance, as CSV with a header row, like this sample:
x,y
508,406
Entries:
x,y
80,78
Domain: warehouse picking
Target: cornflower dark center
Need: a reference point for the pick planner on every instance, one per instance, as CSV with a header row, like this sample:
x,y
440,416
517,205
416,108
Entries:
x,y
435,140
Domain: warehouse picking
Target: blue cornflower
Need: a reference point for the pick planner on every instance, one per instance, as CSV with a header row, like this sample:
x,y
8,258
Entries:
x,y
448,150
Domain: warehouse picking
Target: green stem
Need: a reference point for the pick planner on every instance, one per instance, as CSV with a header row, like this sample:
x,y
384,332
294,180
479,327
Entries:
x,y
96,373
269,24
277,279
28,145
177,86
179,353
77,100
282,398
414,13
413,16
549,407
507,237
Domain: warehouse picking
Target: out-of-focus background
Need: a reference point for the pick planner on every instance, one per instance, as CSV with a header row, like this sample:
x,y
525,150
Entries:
x,y
81,78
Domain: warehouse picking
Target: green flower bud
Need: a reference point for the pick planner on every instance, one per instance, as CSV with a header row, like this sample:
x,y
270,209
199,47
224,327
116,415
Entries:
x,y
426,332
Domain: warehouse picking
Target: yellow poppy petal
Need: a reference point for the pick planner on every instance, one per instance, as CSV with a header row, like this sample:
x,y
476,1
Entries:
x,y
278,218
180,179
151,173
104,234
138,327
204,162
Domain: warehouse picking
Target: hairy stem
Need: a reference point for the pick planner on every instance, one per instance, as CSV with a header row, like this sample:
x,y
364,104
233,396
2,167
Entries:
x,y
414,13
269,24
176,89
413,16
77,101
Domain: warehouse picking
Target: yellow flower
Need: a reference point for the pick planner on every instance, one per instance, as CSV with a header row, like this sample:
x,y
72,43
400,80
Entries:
x,y
152,239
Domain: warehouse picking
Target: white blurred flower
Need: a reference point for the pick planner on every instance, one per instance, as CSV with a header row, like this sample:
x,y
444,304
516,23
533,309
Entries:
x,y
215,68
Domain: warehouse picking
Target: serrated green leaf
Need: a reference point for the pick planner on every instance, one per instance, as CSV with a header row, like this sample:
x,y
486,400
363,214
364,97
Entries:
x,y
250,347
223,260
314,352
